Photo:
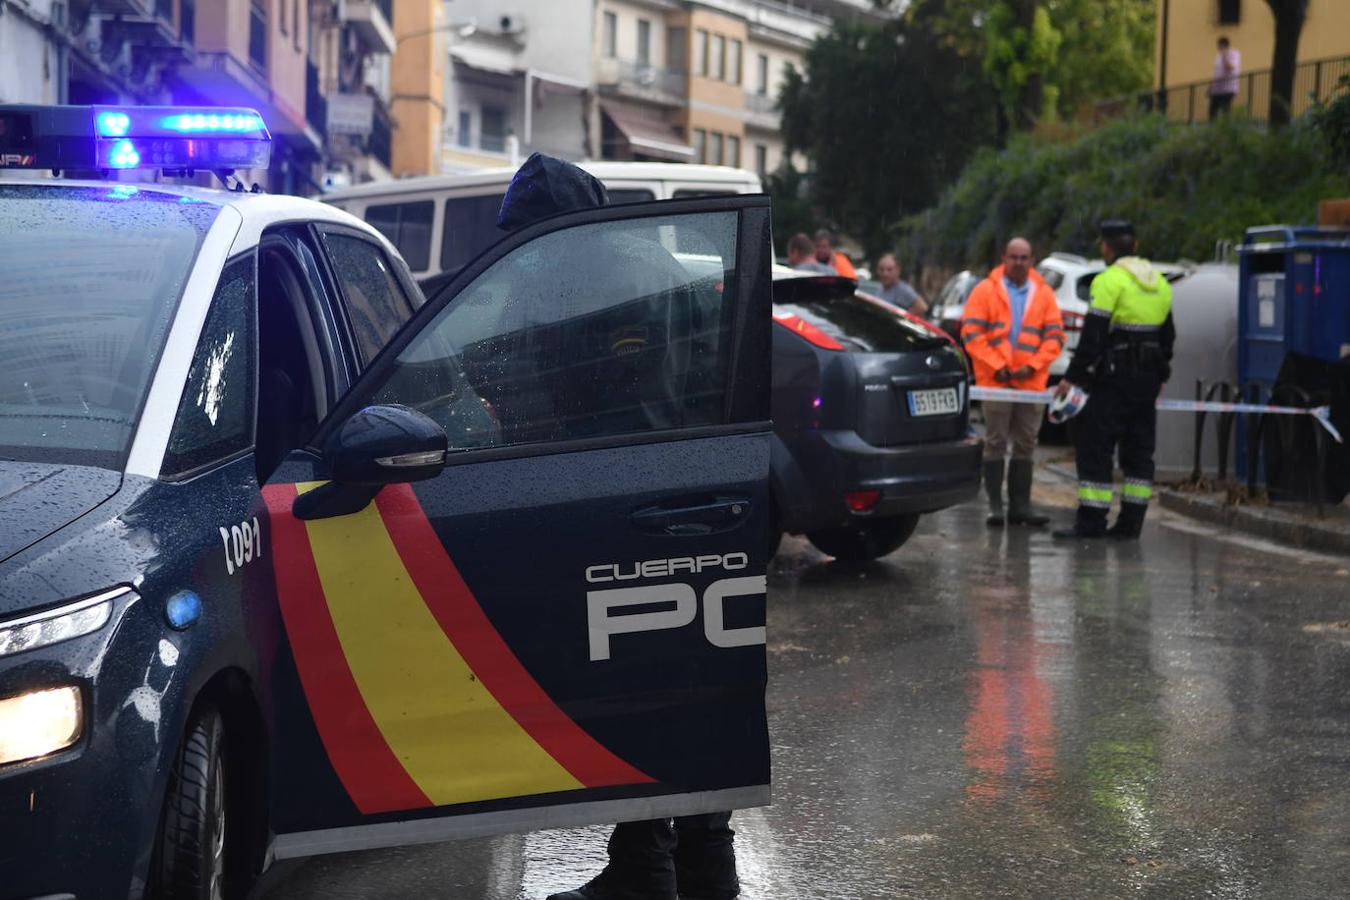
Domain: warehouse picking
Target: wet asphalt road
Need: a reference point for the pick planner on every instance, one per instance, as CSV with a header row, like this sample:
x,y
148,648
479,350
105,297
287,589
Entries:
x,y
985,714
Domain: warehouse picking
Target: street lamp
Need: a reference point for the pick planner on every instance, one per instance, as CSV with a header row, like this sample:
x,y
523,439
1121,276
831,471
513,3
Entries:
x,y
462,28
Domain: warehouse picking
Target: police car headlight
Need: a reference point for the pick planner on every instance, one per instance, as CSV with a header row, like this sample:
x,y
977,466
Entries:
x,y
61,624
39,722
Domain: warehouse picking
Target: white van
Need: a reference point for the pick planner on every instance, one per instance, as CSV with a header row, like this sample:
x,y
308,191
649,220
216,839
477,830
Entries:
x,y
440,222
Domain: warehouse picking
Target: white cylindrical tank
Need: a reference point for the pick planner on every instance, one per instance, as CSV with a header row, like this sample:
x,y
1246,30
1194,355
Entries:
x,y
1205,312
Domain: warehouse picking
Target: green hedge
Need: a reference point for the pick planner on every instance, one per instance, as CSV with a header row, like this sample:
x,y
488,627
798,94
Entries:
x,y
1184,187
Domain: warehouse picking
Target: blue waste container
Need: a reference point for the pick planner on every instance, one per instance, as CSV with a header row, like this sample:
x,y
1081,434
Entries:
x,y
1294,298
1294,295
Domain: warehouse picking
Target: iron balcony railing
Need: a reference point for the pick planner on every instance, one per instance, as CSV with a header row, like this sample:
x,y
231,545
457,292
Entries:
x,y
643,79
1315,83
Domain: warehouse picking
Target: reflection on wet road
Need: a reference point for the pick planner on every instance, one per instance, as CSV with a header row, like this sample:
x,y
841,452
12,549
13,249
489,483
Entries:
x,y
986,714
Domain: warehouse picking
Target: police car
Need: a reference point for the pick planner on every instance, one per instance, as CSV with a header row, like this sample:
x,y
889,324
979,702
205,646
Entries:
x,y
294,562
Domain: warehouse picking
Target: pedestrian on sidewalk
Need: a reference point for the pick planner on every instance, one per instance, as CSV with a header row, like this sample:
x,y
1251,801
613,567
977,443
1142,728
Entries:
x,y
1011,329
1224,87
1123,359
894,290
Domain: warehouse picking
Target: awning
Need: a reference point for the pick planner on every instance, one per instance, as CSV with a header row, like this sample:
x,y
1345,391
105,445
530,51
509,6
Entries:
x,y
498,61
646,133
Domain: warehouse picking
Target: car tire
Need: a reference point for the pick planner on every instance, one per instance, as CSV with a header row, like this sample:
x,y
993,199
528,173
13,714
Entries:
x,y
866,540
193,845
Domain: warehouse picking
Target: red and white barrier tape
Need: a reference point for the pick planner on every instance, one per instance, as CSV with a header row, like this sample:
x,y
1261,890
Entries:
x,y
1042,398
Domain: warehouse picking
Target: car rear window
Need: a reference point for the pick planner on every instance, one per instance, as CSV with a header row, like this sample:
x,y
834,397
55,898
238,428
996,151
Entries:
x,y
861,323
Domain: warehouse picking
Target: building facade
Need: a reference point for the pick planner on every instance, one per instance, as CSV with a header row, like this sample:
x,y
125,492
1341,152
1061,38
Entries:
x,y
1187,36
667,80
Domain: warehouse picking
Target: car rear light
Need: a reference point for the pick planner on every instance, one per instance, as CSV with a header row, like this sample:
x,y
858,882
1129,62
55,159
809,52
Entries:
x,y
861,501
799,326
1072,321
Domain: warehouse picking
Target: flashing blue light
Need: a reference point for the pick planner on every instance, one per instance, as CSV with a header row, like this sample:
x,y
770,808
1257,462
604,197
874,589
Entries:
x,y
113,124
182,609
201,123
124,155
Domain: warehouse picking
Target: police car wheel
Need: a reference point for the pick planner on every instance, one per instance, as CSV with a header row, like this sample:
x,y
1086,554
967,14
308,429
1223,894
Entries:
x,y
863,541
193,834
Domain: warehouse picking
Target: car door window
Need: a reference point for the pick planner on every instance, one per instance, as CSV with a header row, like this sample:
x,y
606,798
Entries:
x,y
603,329
376,303
215,414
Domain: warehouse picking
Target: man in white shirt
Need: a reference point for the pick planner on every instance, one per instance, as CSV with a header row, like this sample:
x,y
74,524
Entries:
x,y
1224,87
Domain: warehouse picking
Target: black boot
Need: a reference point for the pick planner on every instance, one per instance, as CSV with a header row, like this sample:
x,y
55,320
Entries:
x,y
1019,495
1130,521
993,489
705,857
640,865
1089,522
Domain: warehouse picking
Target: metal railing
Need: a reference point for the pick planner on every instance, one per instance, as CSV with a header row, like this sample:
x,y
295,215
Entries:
x,y
643,79
1316,82
1258,428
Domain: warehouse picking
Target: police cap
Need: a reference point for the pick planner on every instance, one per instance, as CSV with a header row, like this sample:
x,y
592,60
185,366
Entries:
x,y
1114,228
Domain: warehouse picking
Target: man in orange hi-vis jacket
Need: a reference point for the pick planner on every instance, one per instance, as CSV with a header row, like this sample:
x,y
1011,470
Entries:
x,y
1012,330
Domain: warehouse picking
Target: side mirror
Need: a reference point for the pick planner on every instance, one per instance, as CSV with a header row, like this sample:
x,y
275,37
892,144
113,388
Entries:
x,y
376,446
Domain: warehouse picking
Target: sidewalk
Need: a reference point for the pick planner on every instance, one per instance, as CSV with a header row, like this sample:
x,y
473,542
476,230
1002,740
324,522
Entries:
x,y
1295,524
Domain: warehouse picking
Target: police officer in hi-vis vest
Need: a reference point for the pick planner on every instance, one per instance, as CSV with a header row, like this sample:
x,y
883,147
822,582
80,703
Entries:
x,y
1123,359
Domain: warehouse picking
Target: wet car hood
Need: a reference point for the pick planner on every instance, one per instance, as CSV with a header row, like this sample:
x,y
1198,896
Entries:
x,y
38,498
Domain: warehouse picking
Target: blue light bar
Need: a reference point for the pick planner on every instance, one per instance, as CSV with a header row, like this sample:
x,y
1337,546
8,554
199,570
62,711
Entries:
x,y
77,138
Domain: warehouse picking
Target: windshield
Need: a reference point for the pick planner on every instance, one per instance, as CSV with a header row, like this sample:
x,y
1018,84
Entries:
x,y
89,280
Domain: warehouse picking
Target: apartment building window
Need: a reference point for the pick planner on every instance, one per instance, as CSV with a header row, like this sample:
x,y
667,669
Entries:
x,y
1230,12
295,23
257,34
733,151
611,35
700,145
734,63
492,129
719,58
761,159
701,52
676,49
644,48
762,74
715,148
464,137
281,16
187,20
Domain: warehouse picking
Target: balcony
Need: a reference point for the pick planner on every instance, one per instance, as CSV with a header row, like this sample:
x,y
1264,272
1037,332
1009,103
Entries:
x,y
641,81
372,22
761,112
381,141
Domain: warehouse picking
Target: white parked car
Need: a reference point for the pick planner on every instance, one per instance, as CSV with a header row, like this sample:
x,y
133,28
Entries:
x,y
441,222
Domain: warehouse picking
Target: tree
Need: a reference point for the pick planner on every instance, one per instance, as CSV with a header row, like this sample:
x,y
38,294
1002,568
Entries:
x,y
1289,18
888,114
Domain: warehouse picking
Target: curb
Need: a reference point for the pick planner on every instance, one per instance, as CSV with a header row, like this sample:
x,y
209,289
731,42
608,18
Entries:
x,y
1327,535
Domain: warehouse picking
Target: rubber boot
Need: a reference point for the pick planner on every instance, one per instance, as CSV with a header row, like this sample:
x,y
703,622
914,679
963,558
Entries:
x,y
1020,473
1130,522
1090,522
993,489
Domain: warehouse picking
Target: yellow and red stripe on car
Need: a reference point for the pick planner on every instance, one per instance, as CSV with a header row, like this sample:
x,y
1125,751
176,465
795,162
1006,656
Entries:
x,y
417,698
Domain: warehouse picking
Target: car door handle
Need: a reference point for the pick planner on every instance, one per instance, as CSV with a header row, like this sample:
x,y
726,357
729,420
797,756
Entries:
x,y
707,517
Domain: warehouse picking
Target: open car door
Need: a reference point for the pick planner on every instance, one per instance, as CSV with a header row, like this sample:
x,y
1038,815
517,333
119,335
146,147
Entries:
x,y
564,624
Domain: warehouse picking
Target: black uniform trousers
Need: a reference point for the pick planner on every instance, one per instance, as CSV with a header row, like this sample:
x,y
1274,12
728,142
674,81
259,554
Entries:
x,y
1120,414
649,858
